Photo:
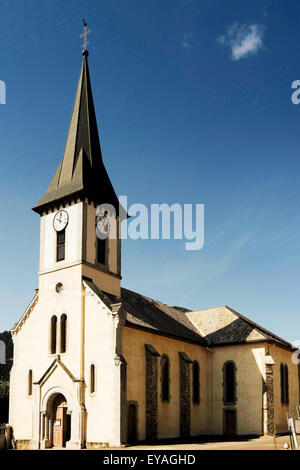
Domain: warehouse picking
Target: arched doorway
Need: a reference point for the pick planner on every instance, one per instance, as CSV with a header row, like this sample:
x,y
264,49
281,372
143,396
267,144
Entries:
x,y
61,421
132,423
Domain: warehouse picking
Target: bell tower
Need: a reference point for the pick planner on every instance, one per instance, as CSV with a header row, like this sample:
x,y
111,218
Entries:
x,y
68,209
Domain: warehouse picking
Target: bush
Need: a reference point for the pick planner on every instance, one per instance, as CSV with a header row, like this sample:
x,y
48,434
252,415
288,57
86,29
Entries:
x,y
4,376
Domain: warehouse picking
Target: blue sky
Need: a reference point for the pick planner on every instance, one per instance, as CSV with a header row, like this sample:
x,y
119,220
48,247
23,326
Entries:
x,y
193,100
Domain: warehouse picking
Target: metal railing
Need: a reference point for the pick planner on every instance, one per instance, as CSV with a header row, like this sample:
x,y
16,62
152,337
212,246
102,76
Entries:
x,y
292,418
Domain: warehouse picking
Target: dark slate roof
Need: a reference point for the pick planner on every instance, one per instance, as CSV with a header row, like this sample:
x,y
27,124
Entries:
x,y
181,309
81,171
147,313
239,330
235,332
266,333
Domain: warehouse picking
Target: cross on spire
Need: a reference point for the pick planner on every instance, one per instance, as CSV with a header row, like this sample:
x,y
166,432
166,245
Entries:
x,y
84,35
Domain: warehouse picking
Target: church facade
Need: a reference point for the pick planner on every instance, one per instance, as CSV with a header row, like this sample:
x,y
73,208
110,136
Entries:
x,y
99,365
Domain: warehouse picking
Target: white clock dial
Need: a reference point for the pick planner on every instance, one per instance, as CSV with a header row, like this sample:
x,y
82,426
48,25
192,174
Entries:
x,y
102,225
60,220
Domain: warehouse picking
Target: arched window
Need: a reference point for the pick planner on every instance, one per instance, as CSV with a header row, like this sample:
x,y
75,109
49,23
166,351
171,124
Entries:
x,y
165,378
92,379
63,333
196,383
53,332
30,382
229,383
284,384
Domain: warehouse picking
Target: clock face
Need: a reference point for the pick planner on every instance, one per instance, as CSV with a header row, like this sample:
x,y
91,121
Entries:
x,y
60,220
102,225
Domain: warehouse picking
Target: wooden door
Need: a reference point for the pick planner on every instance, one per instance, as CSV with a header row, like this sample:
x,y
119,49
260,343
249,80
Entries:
x,y
58,427
131,423
230,423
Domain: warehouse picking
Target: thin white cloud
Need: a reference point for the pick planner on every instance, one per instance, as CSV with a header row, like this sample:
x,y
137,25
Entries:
x,y
243,40
187,39
215,267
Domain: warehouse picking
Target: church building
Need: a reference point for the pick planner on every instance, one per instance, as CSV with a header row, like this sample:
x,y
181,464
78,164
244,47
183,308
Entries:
x,y
98,365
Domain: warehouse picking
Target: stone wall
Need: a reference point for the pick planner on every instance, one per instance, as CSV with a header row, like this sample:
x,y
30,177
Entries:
x,y
269,383
250,374
168,413
151,393
280,355
185,394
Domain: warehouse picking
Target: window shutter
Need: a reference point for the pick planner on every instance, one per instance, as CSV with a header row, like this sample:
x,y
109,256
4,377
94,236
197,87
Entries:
x,y
60,248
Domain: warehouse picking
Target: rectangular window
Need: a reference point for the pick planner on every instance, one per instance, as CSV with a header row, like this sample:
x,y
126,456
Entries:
x,y
60,247
101,251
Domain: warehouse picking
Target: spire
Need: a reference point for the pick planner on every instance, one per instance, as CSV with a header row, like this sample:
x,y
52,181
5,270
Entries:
x,y
81,172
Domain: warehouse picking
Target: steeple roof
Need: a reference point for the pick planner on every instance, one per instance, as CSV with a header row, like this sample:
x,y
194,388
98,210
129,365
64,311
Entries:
x,y
81,172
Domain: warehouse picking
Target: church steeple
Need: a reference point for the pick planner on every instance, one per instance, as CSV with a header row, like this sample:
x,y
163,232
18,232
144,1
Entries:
x,y
81,172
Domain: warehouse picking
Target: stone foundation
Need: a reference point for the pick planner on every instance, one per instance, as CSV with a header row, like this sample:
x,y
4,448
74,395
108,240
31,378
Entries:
x,y
23,444
97,445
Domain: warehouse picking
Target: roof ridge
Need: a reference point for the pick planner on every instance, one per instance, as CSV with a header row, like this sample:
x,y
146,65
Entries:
x,y
165,304
208,308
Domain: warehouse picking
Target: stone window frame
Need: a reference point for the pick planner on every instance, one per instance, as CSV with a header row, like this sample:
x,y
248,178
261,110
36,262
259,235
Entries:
x,y
185,394
225,402
284,384
151,392
268,389
196,400
163,358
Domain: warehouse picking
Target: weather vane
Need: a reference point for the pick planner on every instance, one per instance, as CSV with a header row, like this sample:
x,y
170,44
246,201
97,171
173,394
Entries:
x,y
84,35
